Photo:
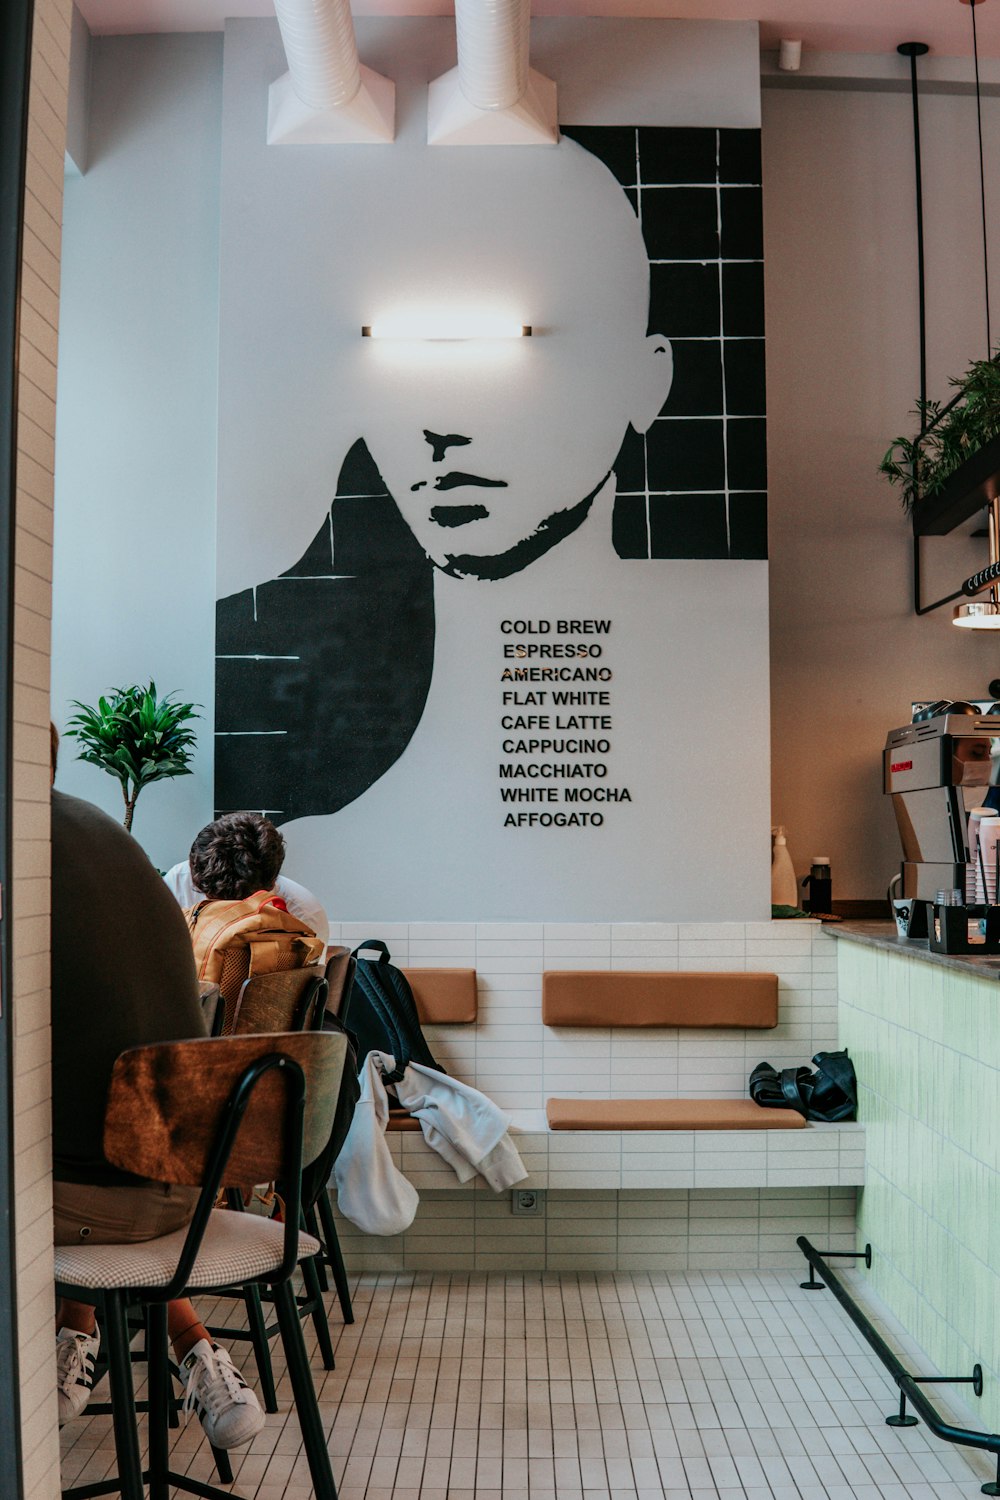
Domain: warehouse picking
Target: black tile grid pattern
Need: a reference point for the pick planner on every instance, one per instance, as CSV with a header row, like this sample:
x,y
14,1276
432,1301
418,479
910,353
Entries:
x,y
695,484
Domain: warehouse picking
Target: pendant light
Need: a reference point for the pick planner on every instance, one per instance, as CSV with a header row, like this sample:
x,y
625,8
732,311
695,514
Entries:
x,y
984,614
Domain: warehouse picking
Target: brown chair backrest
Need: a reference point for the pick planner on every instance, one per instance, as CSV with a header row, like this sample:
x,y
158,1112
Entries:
x,y
599,997
166,1105
285,1001
339,978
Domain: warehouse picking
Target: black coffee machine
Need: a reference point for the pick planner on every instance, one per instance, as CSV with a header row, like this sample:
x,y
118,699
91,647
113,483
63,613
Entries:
x,y
936,769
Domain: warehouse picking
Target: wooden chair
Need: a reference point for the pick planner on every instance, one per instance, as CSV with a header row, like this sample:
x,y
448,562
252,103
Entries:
x,y
340,966
287,1000
201,1113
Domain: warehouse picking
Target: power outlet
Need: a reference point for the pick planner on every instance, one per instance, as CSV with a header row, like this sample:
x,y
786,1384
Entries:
x,y
526,1202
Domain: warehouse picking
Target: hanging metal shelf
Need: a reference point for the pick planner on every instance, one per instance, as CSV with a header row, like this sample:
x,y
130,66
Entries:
x,y
966,492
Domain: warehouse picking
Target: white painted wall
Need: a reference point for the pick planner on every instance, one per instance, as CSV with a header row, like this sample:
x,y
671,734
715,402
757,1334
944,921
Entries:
x,y
135,476
137,398
78,98
316,242
847,654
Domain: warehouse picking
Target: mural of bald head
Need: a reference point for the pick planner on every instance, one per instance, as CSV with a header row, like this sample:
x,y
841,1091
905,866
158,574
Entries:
x,y
493,449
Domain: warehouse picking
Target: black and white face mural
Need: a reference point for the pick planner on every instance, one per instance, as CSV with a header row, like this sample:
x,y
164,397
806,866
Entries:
x,y
487,476
504,478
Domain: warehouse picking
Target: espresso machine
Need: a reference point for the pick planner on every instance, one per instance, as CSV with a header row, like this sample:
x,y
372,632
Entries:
x,y
936,770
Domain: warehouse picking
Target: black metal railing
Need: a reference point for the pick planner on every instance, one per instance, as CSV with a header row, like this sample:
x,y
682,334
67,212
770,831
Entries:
x,y
909,1385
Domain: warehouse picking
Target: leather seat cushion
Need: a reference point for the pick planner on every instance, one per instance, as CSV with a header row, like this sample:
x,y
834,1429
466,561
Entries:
x,y
668,1114
602,997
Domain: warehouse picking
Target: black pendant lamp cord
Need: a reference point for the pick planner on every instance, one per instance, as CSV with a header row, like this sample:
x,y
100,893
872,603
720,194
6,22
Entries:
x,y
911,51
921,292
982,182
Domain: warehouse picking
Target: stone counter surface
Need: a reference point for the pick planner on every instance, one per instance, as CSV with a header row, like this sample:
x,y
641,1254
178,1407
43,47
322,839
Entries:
x,y
883,935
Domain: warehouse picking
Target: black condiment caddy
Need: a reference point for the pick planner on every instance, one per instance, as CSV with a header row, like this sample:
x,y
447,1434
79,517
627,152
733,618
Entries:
x,y
948,928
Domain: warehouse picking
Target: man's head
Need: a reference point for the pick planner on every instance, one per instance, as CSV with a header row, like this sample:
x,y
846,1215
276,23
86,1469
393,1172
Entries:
x,y
236,855
493,450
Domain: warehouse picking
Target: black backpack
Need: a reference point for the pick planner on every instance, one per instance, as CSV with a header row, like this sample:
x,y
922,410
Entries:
x,y
383,1013
830,1094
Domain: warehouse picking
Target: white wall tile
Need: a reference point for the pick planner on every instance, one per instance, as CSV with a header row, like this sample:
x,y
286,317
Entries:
x,y
32,610
593,1230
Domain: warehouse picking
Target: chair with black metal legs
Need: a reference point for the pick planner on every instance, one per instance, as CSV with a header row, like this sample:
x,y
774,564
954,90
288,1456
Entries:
x,y
289,1000
319,1220
201,1113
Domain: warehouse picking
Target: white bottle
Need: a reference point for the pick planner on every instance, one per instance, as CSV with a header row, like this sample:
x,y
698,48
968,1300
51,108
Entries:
x,y
784,888
989,838
973,871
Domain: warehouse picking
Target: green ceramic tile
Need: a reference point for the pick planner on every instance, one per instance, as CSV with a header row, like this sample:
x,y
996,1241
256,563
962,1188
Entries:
x,y
926,1045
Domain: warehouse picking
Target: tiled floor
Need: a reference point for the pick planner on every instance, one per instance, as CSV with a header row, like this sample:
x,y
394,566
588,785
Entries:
x,y
623,1386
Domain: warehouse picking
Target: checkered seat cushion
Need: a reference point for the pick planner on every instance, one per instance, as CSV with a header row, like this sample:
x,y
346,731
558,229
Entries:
x,y
236,1247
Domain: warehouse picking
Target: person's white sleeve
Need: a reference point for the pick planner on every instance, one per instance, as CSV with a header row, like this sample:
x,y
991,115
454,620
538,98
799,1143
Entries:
x,y
180,885
303,904
371,1191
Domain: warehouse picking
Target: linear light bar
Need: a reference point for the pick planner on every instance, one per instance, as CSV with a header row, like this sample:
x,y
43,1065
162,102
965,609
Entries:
x,y
436,327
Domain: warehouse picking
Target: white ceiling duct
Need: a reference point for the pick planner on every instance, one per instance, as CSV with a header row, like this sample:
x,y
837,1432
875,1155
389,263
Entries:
x,y
321,49
327,97
493,97
493,37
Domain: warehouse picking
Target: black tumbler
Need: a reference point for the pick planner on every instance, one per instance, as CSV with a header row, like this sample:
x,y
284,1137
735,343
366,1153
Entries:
x,y
820,887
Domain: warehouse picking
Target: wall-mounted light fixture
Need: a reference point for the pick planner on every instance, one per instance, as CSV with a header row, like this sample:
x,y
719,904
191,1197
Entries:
x,y
789,55
980,615
442,327
984,614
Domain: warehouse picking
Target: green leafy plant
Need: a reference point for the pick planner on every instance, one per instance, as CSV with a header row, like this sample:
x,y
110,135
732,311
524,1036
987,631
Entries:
x,y
924,465
136,737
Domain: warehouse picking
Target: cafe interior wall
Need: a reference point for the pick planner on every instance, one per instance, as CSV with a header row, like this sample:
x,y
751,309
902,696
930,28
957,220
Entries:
x,y
847,653
137,430
137,445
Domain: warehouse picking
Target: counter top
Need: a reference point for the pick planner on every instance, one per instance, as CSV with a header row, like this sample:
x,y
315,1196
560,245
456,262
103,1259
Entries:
x,y
883,935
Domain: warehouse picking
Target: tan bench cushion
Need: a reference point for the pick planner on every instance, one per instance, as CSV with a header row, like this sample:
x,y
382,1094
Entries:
x,y
668,1114
403,1122
444,995
597,997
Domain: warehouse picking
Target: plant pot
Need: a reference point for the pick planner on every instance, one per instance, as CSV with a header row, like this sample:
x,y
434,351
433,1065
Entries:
x,y
969,490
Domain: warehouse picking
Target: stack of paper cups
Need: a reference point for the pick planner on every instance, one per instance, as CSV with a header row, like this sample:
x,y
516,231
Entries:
x,y
973,873
989,847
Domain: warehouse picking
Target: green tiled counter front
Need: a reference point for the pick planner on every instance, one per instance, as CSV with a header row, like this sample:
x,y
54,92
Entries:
x,y
925,1041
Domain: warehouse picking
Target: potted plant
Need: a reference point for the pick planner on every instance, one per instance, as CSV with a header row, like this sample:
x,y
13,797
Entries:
x,y
136,737
951,468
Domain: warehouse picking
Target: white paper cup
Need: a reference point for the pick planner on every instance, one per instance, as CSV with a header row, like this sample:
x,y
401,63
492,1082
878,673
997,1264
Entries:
x,y
902,911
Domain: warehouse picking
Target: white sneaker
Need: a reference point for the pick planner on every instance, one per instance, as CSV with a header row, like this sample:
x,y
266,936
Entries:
x,y
229,1410
75,1356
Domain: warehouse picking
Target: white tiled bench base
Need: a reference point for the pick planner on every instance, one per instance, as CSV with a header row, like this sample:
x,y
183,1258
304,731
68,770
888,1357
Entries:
x,y
643,1229
818,1156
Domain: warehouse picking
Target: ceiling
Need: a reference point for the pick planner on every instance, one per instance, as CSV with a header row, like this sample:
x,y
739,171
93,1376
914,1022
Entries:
x,y
822,25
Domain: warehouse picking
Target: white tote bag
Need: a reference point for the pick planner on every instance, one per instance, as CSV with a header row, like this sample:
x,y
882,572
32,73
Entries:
x,y
371,1191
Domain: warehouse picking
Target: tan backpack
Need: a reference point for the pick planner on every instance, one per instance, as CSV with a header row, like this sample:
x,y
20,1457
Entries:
x,y
235,940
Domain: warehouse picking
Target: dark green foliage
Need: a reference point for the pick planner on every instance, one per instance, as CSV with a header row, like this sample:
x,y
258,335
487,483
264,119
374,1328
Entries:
x,y
135,737
969,426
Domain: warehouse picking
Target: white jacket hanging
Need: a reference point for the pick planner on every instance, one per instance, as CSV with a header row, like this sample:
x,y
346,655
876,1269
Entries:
x,y
371,1191
464,1127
